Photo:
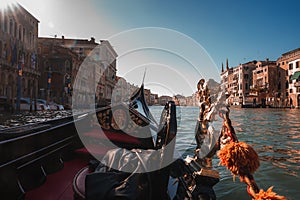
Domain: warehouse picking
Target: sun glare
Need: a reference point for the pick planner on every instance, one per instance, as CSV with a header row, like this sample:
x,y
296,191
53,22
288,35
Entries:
x,y
4,4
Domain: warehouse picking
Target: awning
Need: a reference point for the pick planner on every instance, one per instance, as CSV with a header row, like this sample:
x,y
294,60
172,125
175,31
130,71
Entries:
x,y
295,76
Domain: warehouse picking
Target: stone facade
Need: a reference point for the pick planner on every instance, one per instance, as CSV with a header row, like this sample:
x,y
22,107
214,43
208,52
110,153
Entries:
x,y
95,62
18,48
57,67
254,82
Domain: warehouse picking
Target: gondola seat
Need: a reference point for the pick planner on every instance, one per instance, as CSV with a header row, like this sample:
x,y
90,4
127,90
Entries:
x,y
79,183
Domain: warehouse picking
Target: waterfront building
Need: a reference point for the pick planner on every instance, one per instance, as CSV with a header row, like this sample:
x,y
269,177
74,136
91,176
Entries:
x,y
267,83
162,100
147,93
254,83
237,82
289,61
57,68
18,53
106,60
153,99
100,58
181,100
226,80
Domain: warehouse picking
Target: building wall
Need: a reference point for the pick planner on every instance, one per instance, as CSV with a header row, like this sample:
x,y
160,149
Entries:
x,y
18,46
57,66
98,78
283,62
294,84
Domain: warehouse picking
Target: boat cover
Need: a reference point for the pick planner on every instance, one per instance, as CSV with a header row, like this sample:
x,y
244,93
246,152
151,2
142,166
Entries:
x,y
121,174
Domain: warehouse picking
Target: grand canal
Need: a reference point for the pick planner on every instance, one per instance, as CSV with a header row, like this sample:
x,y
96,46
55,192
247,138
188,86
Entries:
x,y
274,134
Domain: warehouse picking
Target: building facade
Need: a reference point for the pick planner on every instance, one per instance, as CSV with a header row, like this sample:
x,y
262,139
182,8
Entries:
x,y
254,83
289,61
18,53
268,81
92,66
57,68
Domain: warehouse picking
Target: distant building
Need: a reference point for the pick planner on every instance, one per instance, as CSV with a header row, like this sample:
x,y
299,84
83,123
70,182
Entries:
x,y
180,100
153,99
162,100
18,48
147,93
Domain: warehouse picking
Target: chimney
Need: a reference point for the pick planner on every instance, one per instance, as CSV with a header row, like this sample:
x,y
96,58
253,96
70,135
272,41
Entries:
x,y
227,67
222,67
92,40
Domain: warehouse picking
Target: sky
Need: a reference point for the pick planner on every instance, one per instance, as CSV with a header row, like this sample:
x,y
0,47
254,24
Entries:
x,y
196,35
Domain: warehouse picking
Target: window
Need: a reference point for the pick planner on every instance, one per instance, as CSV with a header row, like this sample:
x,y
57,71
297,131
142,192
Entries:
x,y
0,49
67,66
20,32
15,29
290,66
291,90
24,34
30,41
5,24
297,64
11,24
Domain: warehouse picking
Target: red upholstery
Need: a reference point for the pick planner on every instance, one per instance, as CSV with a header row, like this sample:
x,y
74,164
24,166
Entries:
x,y
79,183
98,150
113,136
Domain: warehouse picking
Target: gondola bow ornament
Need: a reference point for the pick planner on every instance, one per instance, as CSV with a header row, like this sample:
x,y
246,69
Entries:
x,y
239,157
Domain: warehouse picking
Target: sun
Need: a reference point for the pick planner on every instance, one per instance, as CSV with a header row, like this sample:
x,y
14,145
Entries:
x,y
4,4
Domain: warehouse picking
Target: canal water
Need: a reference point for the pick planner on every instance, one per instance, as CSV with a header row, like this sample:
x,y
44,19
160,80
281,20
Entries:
x,y
273,133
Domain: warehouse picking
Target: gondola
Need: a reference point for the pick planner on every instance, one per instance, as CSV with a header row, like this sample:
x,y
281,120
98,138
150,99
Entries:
x,y
76,156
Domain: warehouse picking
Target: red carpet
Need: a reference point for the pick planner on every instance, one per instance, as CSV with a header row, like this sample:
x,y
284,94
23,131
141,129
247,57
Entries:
x,y
59,184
